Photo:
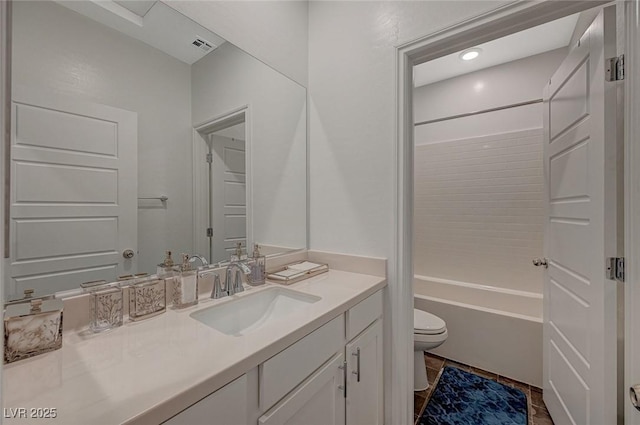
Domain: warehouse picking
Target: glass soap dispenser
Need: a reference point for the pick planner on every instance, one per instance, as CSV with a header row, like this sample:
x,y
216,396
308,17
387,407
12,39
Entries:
x,y
166,266
185,292
239,255
258,267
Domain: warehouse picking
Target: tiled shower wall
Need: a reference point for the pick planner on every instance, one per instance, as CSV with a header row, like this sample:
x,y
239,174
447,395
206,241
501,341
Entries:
x,y
478,210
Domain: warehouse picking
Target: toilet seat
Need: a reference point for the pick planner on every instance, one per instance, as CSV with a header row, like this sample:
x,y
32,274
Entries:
x,y
419,339
427,324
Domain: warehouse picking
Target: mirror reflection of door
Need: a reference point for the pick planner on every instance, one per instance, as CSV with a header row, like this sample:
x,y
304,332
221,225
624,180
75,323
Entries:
x,y
228,192
73,207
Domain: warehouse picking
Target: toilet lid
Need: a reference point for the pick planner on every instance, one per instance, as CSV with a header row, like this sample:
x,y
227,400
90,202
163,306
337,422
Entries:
x,y
427,324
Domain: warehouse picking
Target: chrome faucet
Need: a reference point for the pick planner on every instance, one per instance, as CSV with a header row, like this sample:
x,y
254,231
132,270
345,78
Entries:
x,y
217,291
238,266
232,281
203,260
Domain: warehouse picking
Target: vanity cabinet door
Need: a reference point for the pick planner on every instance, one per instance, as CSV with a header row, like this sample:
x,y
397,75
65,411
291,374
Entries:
x,y
227,406
319,400
365,390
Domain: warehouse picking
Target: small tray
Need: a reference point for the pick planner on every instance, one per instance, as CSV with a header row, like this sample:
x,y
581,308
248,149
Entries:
x,y
295,272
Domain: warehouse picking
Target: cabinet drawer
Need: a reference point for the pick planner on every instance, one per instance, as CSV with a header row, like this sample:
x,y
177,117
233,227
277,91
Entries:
x,y
284,371
363,314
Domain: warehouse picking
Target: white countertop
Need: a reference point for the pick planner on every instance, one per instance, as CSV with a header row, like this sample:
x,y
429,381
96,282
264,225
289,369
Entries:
x,y
148,371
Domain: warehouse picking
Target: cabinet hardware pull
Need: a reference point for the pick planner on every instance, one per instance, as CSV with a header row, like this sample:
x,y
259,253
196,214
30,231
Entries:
x,y
357,372
344,376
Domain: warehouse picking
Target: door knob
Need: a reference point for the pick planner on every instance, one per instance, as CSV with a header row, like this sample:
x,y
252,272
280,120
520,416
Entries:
x,y
128,253
540,262
634,395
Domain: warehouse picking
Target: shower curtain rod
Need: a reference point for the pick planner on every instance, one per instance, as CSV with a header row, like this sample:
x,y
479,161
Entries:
x,y
483,111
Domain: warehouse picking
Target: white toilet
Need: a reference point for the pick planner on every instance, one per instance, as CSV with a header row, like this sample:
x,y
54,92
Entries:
x,y
429,332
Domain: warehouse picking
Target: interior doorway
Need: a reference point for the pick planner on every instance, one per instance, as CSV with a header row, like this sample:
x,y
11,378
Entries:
x,y
222,185
227,191
505,21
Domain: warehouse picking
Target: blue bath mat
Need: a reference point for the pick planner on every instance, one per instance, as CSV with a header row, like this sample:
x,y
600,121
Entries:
x,y
463,398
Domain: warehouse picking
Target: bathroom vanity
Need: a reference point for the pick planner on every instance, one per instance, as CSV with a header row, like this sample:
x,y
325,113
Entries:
x,y
318,364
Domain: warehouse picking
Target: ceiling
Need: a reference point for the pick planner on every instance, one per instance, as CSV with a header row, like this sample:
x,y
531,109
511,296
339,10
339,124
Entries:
x,y
139,7
151,22
543,38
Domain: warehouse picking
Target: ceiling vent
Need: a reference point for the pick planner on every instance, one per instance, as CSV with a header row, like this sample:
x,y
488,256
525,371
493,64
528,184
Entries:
x,y
202,44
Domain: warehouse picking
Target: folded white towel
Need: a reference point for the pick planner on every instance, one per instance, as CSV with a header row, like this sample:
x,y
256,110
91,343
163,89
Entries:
x,y
303,267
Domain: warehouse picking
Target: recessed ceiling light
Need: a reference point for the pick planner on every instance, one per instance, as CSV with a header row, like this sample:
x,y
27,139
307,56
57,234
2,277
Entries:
x,y
470,54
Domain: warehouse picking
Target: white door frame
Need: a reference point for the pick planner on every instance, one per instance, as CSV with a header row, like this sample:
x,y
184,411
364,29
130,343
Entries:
x,y
5,139
500,22
632,203
200,190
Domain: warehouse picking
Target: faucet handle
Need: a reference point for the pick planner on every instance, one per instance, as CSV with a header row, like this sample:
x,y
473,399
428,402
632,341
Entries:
x,y
237,283
217,291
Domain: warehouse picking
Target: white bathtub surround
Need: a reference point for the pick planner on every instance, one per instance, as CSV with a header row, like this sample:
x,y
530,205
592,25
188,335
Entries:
x,y
489,328
478,210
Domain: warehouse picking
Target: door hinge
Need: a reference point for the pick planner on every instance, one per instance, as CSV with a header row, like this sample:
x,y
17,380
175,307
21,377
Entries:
x,y
209,158
615,268
209,232
614,68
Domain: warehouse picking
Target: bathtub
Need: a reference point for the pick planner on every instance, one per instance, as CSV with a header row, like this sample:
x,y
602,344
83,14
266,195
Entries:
x,y
494,329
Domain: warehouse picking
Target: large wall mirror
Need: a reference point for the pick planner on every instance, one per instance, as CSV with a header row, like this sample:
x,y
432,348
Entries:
x,y
136,131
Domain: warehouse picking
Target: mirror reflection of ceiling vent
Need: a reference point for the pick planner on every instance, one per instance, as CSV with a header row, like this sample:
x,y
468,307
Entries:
x,y
202,44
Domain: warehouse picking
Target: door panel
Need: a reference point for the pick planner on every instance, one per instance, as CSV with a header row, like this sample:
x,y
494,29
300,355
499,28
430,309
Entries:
x,y
317,401
365,397
571,100
226,406
579,302
73,192
63,130
65,184
228,196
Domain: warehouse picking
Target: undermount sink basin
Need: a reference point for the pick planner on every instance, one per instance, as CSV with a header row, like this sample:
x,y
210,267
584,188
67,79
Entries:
x,y
253,311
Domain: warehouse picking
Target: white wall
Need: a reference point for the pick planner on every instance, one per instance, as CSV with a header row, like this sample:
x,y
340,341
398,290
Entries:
x,y
352,63
512,82
352,92
273,31
478,213
63,52
229,78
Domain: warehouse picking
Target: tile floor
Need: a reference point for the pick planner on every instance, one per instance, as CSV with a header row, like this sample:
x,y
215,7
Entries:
x,y
538,414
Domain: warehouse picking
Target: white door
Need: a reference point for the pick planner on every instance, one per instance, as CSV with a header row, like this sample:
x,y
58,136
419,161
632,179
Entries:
x,y
228,197
632,208
73,192
365,391
579,302
319,400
